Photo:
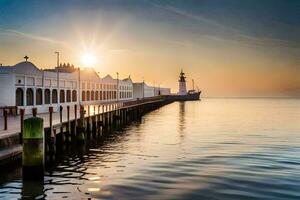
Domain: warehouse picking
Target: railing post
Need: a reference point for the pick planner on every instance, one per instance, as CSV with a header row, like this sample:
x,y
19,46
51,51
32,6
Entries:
x,y
60,113
5,119
34,112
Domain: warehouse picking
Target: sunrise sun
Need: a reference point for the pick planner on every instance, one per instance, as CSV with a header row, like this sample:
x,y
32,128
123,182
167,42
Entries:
x,y
88,60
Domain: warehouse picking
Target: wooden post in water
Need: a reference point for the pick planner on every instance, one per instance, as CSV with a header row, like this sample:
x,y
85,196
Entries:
x,y
5,119
51,138
68,125
62,137
33,149
50,120
80,133
75,121
22,113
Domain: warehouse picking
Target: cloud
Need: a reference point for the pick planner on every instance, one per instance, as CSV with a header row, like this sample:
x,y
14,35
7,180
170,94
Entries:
x,y
33,37
230,34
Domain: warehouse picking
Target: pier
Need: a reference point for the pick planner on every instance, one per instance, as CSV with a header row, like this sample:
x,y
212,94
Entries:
x,y
73,126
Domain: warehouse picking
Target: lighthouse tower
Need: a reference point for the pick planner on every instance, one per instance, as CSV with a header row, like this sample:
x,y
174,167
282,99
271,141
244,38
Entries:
x,y
182,84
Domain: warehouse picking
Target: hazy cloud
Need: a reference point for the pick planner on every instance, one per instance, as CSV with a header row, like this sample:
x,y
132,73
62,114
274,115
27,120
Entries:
x,y
33,37
232,34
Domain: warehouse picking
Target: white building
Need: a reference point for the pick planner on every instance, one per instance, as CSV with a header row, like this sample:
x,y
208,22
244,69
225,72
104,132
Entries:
x,y
126,89
142,90
25,86
161,91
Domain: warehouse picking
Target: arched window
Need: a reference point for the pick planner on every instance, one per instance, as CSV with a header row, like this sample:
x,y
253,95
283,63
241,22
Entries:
x,y
47,96
92,96
96,95
29,97
74,96
88,95
54,96
19,97
62,96
104,95
83,96
39,96
68,95
100,95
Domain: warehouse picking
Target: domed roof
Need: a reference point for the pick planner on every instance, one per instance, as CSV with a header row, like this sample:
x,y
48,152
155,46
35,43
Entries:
x,y
27,68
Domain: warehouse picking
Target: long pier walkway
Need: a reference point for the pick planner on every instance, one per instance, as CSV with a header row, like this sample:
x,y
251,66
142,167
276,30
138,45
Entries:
x,y
86,120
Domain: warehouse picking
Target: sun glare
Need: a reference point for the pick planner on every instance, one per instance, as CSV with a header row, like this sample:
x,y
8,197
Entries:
x,y
88,60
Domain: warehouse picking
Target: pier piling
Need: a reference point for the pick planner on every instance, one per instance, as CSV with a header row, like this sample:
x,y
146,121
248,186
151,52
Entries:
x,y
33,149
80,132
68,133
22,113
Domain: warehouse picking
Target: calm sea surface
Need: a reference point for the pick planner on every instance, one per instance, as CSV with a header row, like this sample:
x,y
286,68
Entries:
x,y
211,149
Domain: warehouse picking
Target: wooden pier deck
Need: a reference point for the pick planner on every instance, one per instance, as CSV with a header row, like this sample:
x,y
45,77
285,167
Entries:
x,y
93,118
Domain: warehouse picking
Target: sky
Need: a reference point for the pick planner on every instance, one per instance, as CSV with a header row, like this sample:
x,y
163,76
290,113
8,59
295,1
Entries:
x,y
229,47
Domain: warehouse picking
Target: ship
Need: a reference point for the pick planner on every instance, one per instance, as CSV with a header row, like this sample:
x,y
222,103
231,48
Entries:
x,y
184,94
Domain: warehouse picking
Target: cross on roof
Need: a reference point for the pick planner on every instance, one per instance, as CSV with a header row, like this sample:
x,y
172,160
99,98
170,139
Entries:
x,y
26,58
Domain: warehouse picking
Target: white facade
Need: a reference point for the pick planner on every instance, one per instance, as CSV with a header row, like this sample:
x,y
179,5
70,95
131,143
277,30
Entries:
x,y
161,91
25,86
142,90
126,89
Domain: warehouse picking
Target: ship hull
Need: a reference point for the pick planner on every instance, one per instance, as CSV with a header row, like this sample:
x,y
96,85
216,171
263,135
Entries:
x,y
188,97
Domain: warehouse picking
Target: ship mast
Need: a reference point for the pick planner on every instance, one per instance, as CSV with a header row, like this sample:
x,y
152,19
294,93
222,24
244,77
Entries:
x,y
193,84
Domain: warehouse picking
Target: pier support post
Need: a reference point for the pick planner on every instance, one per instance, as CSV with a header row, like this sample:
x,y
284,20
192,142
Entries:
x,y
68,133
80,132
61,137
51,138
33,149
22,113
74,131
94,126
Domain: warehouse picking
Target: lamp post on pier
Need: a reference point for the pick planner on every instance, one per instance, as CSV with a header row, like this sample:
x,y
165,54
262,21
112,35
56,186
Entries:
x,y
143,88
57,76
118,87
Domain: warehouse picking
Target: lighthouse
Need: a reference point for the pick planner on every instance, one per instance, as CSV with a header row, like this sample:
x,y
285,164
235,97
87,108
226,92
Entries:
x,y
182,84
